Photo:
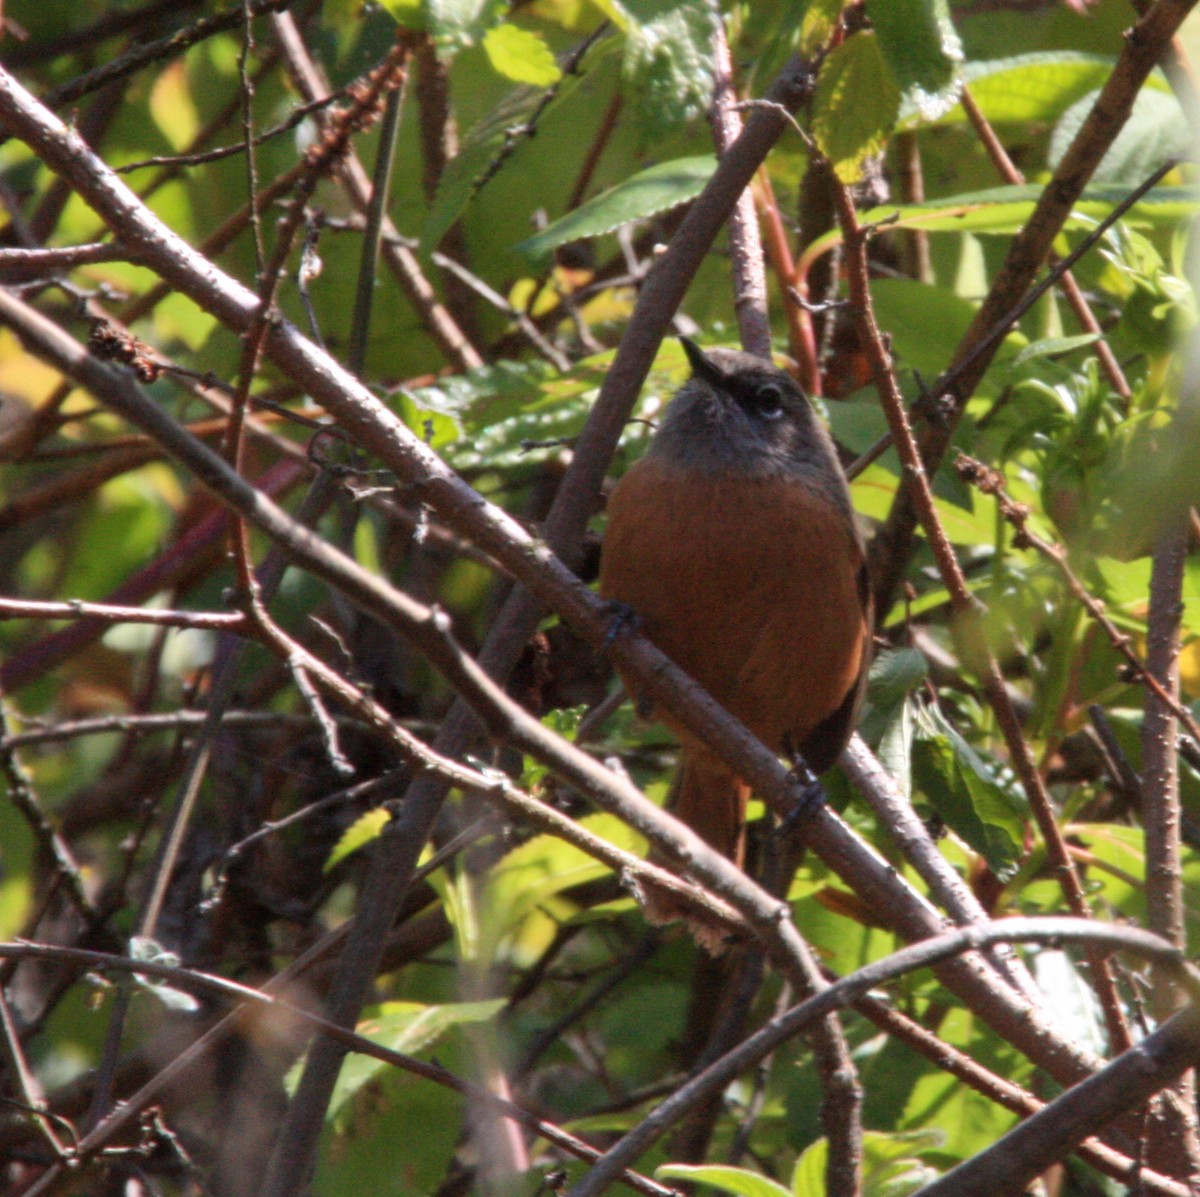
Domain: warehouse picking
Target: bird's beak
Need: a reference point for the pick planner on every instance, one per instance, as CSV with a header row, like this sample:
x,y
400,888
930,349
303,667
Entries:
x,y
702,365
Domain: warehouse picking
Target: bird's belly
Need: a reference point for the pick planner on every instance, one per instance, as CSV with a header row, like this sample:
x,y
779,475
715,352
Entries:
x,y
750,586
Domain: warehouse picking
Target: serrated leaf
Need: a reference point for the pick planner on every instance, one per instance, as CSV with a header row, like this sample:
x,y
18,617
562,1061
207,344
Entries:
x,y
1026,88
520,55
651,191
503,407
965,792
362,831
1155,132
856,105
739,1181
921,47
668,60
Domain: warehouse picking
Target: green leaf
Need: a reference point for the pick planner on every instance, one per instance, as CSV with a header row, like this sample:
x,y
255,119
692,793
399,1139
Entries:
x,y
1004,210
362,831
891,1165
479,154
887,722
738,1181
533,876
856,105
520,55
565,722
964,791
407,1027
820,20
409,13
922,50
1155,131
456,24
1026,88
653,190
502,408
895,674
1053,347
668,60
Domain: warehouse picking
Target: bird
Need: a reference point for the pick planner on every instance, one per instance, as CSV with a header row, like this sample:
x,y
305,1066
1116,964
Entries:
x,y
734,546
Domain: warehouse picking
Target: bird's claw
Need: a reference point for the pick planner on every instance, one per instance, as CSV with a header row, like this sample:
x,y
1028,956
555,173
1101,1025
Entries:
x,y
622,618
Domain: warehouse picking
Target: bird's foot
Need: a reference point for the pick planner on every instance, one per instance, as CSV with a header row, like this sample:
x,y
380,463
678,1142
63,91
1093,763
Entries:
x,y
622,618
812,794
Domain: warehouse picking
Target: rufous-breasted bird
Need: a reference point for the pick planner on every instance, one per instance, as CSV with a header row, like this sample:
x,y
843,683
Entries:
x,y
735,545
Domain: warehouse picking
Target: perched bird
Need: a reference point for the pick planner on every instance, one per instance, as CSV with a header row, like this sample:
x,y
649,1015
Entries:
x,y
734,543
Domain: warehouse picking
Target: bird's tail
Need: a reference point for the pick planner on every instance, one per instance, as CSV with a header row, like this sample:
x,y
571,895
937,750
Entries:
x,y
712,802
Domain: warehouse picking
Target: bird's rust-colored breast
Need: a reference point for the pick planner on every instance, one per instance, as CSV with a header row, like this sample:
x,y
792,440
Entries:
x,y
751,585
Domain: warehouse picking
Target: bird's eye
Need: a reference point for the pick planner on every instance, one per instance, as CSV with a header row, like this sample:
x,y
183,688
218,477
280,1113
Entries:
x,y
768,401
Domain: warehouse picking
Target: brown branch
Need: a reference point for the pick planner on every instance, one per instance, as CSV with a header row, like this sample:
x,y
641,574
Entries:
x,y
171,46
19,265
130,724
967,626
529,560
1143,46
192,980
78,609
847,989
745,241
1174,1144
403,263
1071,289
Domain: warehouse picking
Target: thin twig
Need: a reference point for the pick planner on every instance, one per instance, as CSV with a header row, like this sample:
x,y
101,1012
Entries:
x,y
210,985
157,51
845,990
967,624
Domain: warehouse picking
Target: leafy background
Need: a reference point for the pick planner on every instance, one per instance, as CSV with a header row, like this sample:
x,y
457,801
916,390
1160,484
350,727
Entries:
x,y
549,148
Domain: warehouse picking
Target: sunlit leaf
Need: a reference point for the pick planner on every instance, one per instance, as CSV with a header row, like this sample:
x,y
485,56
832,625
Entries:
x,y
520,55
1155,132
406,1027
856,105
362,831
922,50
965,792
669,62
653,190
739,1181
